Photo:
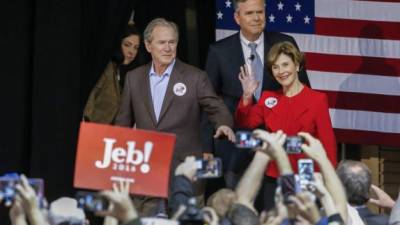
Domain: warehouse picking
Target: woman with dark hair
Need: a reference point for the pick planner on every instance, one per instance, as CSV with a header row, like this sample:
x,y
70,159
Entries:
x,y
104,100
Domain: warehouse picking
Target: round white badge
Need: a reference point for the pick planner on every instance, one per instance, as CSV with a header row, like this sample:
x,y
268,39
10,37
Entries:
x,y
270,102
179,89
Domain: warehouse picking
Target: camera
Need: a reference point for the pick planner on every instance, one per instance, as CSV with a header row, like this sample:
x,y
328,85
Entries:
x,y
192,214
306,172
245,139
8,191
91,201
209,168
293,144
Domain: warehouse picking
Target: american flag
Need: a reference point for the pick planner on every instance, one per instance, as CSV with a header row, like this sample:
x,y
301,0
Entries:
x,y
353,55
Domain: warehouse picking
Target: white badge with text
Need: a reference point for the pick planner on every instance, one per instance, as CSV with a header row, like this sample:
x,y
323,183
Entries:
x,y
179,89
270,102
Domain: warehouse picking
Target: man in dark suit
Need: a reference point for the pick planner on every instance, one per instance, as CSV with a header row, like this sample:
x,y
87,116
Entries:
x,y
223,66
356,179
168,95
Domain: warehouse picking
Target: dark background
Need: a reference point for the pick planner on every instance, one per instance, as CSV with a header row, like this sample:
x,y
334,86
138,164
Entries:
x,y
51,53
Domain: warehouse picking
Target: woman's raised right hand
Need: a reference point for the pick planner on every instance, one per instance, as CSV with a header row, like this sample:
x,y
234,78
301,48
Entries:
x,y
248,81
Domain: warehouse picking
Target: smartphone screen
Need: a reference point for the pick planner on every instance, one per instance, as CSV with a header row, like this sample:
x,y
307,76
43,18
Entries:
x,y
288,187
8,191
293,144
245,139
91,201
306,172
209,168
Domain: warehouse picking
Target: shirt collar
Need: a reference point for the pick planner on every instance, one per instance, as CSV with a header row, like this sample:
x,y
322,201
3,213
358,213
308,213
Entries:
x,y
246,42
167,72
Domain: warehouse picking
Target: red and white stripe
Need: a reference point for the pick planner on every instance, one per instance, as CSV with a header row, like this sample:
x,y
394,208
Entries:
x,y
354,58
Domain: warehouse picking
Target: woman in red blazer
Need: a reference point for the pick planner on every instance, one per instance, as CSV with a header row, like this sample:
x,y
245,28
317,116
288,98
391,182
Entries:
x,y
293,108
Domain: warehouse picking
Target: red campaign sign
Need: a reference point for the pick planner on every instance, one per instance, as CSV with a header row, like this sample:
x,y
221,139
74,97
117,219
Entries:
x,y
108,153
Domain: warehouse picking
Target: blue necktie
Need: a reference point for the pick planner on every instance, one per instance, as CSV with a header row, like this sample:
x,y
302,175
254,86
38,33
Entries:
x,y
257,68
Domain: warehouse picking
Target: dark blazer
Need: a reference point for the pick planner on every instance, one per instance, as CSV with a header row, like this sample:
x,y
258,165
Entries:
x,y
371,218
179,114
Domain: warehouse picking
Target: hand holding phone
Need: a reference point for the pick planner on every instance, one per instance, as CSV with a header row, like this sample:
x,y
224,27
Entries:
x,y
289,186
245,139
91,201
306,172
293,144
8,189
208,168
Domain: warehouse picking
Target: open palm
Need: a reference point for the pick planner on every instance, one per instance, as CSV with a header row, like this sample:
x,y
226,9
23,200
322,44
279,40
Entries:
x,y
248,81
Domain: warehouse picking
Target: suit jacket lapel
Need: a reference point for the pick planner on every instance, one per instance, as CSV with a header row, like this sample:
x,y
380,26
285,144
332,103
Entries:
x,y
147,94
169,94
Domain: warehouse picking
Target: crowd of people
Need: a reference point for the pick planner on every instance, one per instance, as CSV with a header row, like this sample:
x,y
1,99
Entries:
x,y
331,197
254,80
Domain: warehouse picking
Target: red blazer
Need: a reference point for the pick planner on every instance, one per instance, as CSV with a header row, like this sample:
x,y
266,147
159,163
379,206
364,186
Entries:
x,y
306,111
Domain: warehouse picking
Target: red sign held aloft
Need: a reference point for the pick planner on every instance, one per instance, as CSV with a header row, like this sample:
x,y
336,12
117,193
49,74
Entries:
x,y
107,154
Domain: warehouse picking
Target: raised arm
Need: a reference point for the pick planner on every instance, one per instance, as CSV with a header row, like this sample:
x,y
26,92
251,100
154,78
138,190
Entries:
x,y
29,202
316,151
250,183
182,188
271,148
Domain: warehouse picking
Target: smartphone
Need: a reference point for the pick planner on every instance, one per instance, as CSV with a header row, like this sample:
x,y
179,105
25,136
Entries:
x,y
209,168
245,139
8,191
306,172
7,188
289,186
293,144
91,201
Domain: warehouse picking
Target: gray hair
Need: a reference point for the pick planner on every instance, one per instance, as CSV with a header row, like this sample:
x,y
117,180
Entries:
x,y
236,3
147,34
356,179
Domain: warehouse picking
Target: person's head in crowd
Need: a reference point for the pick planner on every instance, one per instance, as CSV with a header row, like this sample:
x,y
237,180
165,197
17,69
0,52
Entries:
x,y
274,216
127,54
356,179
221,201
242,215
65,211
250,16
161,40
284,60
